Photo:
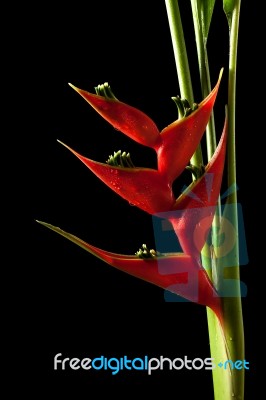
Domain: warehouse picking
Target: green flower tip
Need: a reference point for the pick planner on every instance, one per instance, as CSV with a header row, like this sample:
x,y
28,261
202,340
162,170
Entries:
x,y
145,253
183,106
105,91
197,172
120,159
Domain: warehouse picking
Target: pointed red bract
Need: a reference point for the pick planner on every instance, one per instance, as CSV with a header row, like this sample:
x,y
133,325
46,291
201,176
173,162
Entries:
x,y
142,187
127,119
175,272
196,206
182,137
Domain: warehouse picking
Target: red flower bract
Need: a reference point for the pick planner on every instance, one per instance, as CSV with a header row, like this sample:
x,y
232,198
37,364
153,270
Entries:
x,y
127,119
177,272
143,187
195,208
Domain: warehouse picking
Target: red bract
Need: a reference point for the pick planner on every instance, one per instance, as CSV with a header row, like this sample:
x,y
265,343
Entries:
x,y
143,187
177,272
182,137
197,205
129,120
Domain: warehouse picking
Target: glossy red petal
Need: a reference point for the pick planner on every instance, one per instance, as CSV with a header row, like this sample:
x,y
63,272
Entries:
x,y
182,137
142,187
127,119
196,207
178,273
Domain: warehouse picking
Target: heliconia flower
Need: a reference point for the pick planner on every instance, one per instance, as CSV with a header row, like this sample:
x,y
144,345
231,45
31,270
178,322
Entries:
x,y
176,272
176,143
196,206
191,215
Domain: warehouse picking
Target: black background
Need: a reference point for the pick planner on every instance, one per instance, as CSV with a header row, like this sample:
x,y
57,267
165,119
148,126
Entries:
x,y
76,304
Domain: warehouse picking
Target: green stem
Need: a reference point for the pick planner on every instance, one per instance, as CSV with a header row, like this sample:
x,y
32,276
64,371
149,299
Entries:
x,y
231,148
233,305
204,76
229,385
222,382
201,45
181,60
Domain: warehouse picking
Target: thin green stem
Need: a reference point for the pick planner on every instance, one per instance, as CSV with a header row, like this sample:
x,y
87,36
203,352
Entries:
x,y
204,76
181,60
233,305
231,148
201,45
